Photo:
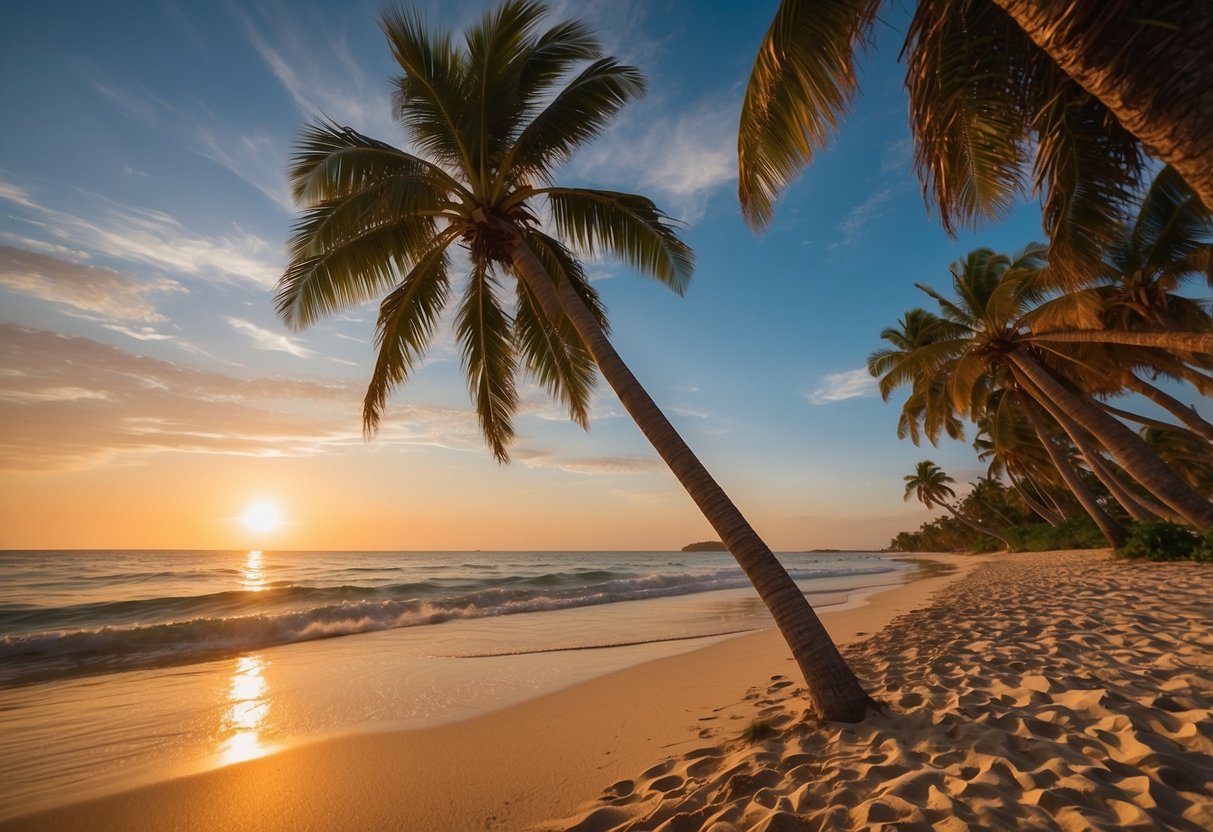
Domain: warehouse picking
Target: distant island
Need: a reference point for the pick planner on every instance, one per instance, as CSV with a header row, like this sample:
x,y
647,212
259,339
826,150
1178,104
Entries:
x,y
705,546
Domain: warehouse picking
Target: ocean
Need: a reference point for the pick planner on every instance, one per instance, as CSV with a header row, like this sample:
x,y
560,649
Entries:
x,y
121,667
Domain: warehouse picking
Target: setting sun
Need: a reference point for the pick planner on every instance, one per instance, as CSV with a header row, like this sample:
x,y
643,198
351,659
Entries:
x,y
261,517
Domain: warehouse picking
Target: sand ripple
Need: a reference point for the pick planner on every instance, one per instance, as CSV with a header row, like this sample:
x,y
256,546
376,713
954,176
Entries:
x,y
1042,692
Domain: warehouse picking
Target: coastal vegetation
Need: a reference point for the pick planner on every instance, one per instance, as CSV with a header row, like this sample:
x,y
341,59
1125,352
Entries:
x,y
705,546
491,118
1032,361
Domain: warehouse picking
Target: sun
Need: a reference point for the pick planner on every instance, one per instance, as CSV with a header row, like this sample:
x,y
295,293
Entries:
x,y
261,517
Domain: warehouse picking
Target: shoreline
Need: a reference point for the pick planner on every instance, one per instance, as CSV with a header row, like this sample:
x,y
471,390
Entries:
x,y
530,761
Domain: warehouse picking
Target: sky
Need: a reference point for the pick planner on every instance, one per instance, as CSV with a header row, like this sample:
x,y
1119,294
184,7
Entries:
x,y
149,395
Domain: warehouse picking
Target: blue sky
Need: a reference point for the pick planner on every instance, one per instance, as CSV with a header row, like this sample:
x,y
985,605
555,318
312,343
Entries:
x,y
143,219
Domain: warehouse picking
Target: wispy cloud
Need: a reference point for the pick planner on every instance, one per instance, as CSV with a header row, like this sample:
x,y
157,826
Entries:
x,y
681,160
853,224
106,292
153,238
320,76
897,156
264,339
592,466
70,403
74,403
256,156
837,387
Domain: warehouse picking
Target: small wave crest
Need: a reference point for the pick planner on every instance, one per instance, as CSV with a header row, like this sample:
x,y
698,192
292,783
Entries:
x,y
37,656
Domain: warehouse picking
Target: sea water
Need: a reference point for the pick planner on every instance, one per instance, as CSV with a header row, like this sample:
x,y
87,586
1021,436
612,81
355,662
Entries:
x,y
120,667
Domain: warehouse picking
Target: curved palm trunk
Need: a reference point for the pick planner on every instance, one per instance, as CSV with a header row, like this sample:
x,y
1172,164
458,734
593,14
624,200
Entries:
x,y
1125,446
1171,404
1111,530
1137,417
1047,514
1157,87
833,690
1200,343
1138,508
973,524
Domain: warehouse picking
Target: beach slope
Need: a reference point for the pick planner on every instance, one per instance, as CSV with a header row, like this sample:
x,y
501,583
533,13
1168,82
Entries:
x,y
1052,691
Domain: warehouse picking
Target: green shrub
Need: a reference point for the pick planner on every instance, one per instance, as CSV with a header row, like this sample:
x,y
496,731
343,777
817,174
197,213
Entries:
x,y
1079,532
1159,540
1203,553
758,730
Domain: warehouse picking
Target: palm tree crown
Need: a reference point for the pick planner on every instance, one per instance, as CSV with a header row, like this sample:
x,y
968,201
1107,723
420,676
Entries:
x,y
488,122
929,484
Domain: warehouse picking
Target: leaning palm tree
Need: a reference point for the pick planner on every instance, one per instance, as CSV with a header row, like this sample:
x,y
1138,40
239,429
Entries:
x,y
932,487
994,109
489,121
990,344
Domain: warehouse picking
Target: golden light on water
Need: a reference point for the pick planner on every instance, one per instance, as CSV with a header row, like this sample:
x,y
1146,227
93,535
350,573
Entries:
x,y
253,578
245,715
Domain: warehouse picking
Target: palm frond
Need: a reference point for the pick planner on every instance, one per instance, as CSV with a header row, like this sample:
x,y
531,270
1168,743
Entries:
x,y
329,161
575,116
485,333
1172,227
628,226
1082,309
354,270
431,99
552,55
553,353
801,85
963,70
407,317
1088,170
497,52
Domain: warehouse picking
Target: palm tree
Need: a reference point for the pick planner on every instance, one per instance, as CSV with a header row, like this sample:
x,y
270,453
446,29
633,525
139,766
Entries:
x,y
932,487
1153,97
491,119
991,111
990,345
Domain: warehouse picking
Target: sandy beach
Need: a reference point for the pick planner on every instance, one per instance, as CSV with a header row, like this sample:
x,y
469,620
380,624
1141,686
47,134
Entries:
x,y
1060,690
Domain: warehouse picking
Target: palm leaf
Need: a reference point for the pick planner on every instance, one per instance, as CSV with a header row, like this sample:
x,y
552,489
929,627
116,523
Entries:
x,y
486,335
628,226
552,56
1088,170
497,51
407,317
801,85
330,161
336,265
431,99
964,65
574,117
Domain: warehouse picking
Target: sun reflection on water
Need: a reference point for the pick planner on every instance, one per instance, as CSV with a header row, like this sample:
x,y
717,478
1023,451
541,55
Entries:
x,y
245,713
253,578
